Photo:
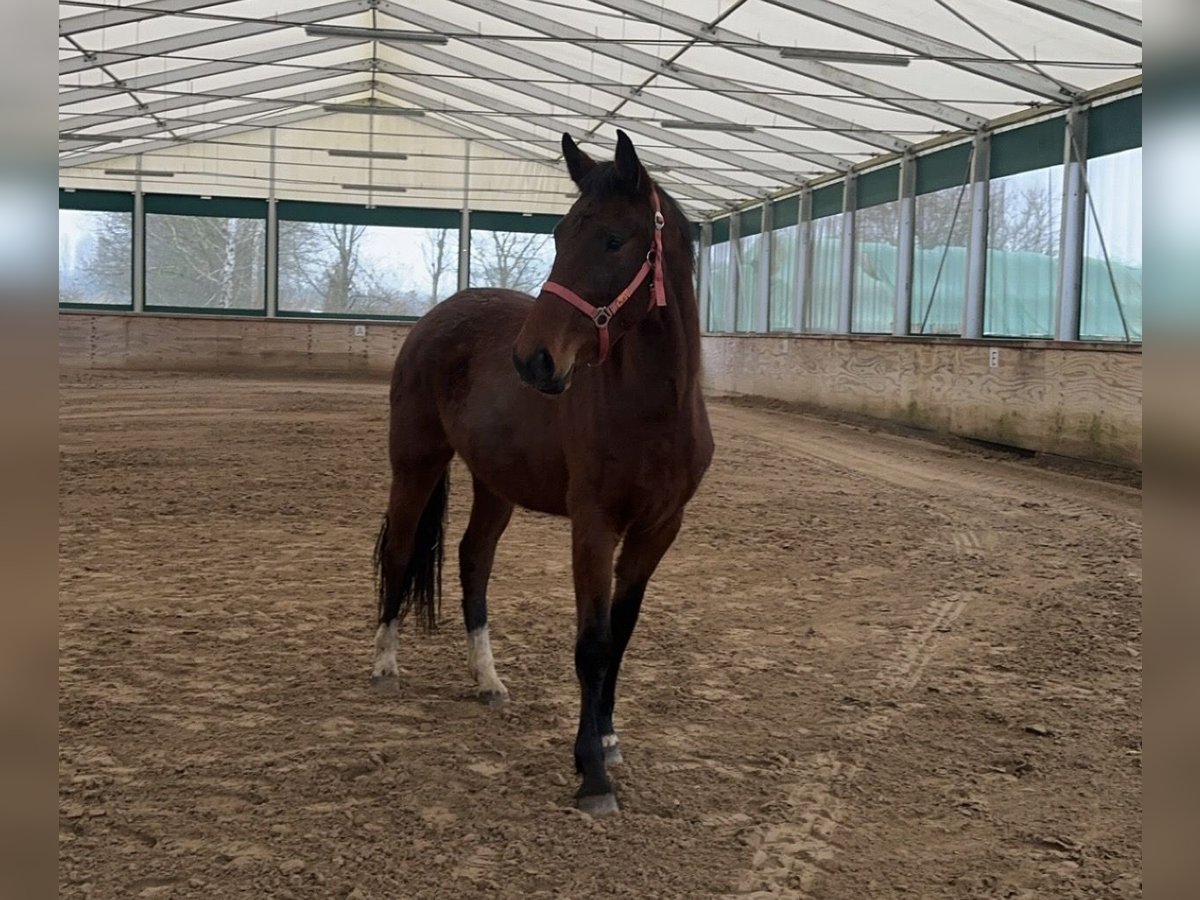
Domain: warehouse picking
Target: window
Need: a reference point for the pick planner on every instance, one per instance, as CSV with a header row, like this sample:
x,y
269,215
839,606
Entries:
x,y
720,307
749,260
351,268
785,266
205,262
826,273
1116,187
517,260
876,252
940,261
95,257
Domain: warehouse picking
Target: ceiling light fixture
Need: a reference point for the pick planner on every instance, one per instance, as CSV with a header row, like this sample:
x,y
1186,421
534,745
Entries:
x,y
368,154
846,56
92,138
705,126
372,109
145,173
375,188
376,34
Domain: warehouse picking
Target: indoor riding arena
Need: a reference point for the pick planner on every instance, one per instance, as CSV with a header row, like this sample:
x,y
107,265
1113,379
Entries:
x,y
890,256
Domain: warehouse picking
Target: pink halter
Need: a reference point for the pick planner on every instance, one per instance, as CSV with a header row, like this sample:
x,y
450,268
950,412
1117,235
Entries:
x,y
602,315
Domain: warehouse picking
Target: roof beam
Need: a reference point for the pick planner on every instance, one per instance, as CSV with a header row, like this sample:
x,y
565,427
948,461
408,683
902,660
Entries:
x,y
189,39
641,59
199,137
1091,15
922,44
616,88
581,107
565,101
206,70
683,191
550,121
241,92
747,46
502,127
117,15
246,109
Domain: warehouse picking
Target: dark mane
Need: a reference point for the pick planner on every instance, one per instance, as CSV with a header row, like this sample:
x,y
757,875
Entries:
x,y
603,181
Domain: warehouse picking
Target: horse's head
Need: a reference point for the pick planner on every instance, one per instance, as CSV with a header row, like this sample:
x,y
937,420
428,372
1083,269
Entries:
x,y
601,247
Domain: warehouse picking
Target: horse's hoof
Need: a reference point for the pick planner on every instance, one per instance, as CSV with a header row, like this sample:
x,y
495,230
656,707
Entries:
x,y
493,698
612,755
597,805
385,684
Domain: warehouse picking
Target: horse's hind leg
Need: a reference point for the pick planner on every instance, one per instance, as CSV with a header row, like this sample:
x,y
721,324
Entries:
x,y
641,552
490,515
408,554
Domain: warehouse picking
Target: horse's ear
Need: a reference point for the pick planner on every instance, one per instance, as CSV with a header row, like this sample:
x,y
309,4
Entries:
x,y
578,162
628,166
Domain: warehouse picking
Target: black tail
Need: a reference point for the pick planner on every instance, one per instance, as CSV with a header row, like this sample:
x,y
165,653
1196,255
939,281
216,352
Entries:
x,y
419,585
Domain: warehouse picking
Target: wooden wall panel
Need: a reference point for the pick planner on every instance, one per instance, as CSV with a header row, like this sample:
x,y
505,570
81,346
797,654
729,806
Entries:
x,y
215,343
1082,401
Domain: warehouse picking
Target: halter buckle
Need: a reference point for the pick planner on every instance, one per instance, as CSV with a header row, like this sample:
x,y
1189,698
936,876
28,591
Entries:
x,y
659,221
602,317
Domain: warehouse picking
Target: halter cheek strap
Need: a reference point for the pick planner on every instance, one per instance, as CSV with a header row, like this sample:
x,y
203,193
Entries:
x,y
652,268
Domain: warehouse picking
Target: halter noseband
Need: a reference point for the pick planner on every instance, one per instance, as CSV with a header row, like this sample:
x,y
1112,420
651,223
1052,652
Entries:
x,y
602,315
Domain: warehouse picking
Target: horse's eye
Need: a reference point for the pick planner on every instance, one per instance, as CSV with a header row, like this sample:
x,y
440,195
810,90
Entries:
x,y
612,243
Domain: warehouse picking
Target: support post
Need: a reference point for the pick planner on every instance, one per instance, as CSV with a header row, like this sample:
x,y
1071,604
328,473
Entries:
x,y
763,318
139,241
705,276
1074,219
977,241
906,244
735,266
272,279
803,263
464,225
846,294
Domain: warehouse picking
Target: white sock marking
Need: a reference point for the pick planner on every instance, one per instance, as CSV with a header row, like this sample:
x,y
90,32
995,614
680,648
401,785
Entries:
x,y
481,664
387,639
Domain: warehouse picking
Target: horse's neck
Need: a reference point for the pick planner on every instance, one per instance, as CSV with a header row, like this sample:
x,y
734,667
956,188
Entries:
x,y
665,347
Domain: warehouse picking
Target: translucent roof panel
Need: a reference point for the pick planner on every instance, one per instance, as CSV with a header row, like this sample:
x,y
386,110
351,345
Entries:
x,y
728,101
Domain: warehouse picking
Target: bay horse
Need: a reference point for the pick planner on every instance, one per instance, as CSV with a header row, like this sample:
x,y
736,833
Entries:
x,y
584,408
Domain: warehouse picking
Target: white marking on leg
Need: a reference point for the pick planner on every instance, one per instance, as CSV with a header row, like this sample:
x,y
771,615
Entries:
x,y
387,640
612,750
481,664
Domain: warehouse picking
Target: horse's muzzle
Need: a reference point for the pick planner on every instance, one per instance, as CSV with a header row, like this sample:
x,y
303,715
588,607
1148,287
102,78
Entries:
x,y
537,371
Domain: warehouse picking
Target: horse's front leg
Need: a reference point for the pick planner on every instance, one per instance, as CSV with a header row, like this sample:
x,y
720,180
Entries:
x,y
641,552
593,546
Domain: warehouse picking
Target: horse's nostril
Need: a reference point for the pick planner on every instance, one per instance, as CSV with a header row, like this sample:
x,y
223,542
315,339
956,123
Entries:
x,y
536,369
542,366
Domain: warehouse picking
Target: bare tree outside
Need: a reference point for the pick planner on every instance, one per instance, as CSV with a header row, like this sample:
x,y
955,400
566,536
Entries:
x,y
369,269
95,257
509,259
439,253
205,261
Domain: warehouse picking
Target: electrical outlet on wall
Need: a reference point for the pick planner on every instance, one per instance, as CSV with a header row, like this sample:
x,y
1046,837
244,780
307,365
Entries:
x,y
361,331
993,357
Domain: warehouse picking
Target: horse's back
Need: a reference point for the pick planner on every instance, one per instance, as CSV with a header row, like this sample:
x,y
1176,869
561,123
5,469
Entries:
x,y
454,378
463,321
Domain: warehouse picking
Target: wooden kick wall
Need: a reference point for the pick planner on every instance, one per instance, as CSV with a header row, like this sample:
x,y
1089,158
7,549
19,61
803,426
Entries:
x,y
1076,400
226,343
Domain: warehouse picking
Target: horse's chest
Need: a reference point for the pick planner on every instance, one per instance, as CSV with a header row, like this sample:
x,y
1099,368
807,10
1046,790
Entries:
x,y
656,476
